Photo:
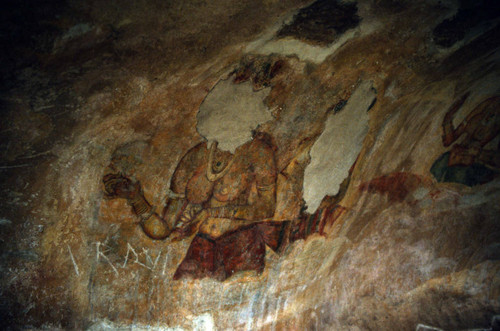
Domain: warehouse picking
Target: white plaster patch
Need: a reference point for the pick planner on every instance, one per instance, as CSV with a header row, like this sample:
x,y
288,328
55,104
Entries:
x,y
230,112
336,149
306,52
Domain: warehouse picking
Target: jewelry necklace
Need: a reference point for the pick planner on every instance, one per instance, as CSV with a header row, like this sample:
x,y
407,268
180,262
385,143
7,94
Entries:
x,y
210,173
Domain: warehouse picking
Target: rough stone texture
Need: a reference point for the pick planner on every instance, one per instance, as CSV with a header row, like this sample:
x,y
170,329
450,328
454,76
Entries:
x,y
91,81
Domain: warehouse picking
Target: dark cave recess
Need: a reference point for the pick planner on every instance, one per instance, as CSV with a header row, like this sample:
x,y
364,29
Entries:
x,y
322,22
469,15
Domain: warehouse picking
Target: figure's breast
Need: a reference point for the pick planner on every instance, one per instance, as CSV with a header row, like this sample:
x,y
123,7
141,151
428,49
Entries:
x,y
234,184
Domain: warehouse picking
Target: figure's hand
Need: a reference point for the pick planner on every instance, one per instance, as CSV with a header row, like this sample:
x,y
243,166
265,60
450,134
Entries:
x,y
188,215
119,186
189,224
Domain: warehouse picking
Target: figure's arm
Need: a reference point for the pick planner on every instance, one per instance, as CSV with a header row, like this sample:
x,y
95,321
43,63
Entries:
x,y
490,158
119,186
154,224
160,227
449,133
178,212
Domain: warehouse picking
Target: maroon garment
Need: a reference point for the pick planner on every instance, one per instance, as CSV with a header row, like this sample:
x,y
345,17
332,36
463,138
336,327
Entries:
x,y
239,250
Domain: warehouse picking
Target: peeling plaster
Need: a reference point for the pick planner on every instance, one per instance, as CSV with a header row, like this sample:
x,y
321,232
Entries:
x,y
230,112
336,149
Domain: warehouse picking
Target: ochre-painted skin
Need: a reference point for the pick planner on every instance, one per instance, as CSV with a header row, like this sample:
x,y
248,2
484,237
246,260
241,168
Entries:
x,y
225,190
480,127
244,194
226,206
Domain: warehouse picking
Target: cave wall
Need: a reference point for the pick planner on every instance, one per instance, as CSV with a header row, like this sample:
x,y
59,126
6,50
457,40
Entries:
x,y
352,95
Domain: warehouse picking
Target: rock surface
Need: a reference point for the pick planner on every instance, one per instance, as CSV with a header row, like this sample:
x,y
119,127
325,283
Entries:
x,y
86,83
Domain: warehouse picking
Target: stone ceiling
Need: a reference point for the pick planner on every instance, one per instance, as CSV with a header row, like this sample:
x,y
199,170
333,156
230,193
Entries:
x,y
354,184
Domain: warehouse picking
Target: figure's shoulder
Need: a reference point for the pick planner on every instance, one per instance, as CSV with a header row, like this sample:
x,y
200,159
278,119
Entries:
x,y
262,142
195,154
197,149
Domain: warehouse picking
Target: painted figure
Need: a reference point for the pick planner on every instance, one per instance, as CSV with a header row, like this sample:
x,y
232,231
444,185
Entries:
x,y
225,196
468,162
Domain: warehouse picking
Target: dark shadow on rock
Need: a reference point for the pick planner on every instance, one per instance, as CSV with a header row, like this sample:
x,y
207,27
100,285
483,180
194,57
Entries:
x,y
469,15
322,22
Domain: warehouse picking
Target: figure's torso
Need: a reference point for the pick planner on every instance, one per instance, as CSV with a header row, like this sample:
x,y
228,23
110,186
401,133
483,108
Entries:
x,y
233,185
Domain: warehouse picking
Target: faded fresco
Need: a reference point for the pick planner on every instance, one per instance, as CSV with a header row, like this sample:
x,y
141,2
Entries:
x,y
223,192
269,165
226,198
469,162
